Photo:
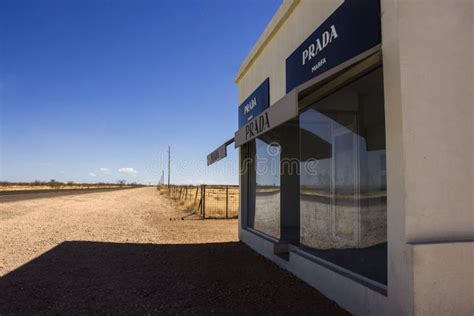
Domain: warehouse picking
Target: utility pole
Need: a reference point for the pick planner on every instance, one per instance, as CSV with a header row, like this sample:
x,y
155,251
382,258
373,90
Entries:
x,y
169,165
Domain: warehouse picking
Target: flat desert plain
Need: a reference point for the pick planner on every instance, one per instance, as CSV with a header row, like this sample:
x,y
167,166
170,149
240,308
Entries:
x,y
129,251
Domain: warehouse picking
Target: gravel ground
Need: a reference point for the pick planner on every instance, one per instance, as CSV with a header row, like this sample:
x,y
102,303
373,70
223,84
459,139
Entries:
x,y
129,252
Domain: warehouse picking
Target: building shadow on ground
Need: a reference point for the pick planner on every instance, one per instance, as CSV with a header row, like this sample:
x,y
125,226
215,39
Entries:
x,y
93,277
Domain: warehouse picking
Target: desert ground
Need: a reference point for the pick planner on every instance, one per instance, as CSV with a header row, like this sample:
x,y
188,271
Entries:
x,y
129,251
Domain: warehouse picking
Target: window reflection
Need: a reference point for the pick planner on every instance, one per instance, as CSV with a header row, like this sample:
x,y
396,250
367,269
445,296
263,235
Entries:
x,y
267,197
343,208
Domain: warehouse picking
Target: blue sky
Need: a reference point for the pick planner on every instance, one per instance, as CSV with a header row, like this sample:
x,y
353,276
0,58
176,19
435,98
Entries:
x,y
96,90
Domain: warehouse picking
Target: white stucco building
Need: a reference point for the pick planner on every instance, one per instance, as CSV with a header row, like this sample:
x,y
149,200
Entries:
x,y
356,151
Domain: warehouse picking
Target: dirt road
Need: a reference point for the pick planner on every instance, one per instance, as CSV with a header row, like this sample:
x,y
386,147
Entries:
x,y
129,252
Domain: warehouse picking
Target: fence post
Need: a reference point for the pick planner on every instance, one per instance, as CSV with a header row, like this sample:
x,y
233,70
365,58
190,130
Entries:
x,y
204,201
200,203
226,202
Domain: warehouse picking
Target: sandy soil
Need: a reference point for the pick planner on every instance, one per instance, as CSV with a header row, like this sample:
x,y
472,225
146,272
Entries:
x,y
128,251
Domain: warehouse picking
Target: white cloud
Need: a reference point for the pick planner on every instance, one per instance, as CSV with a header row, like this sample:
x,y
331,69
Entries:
x,y
92,174
128,170
105,170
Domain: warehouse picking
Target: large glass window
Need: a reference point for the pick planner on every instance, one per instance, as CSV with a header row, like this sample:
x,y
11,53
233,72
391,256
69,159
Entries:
x,y
266,217
343,205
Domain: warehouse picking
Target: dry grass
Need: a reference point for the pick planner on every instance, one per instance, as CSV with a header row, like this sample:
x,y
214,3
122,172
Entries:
x,y
17,186
46,188
216,199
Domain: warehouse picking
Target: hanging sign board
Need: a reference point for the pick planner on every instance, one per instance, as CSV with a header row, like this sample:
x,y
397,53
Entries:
x,y
219,153
352,29
255,104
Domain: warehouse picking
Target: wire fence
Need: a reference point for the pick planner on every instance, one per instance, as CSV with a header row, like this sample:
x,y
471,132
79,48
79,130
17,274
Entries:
x,y
208,201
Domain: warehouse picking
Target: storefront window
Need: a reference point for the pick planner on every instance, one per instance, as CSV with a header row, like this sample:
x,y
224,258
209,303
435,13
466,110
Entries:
x,y
343,204
266,217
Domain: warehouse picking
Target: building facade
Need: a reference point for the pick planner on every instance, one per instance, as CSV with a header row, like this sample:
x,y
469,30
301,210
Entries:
x,y
356,151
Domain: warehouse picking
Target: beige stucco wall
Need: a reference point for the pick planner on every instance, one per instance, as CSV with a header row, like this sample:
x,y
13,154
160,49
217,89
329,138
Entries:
x,y
436,78
428,78
435,266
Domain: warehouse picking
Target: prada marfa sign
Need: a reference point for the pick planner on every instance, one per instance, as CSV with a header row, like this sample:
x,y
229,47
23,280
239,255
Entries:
x,y
351,30
280,112
255,104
